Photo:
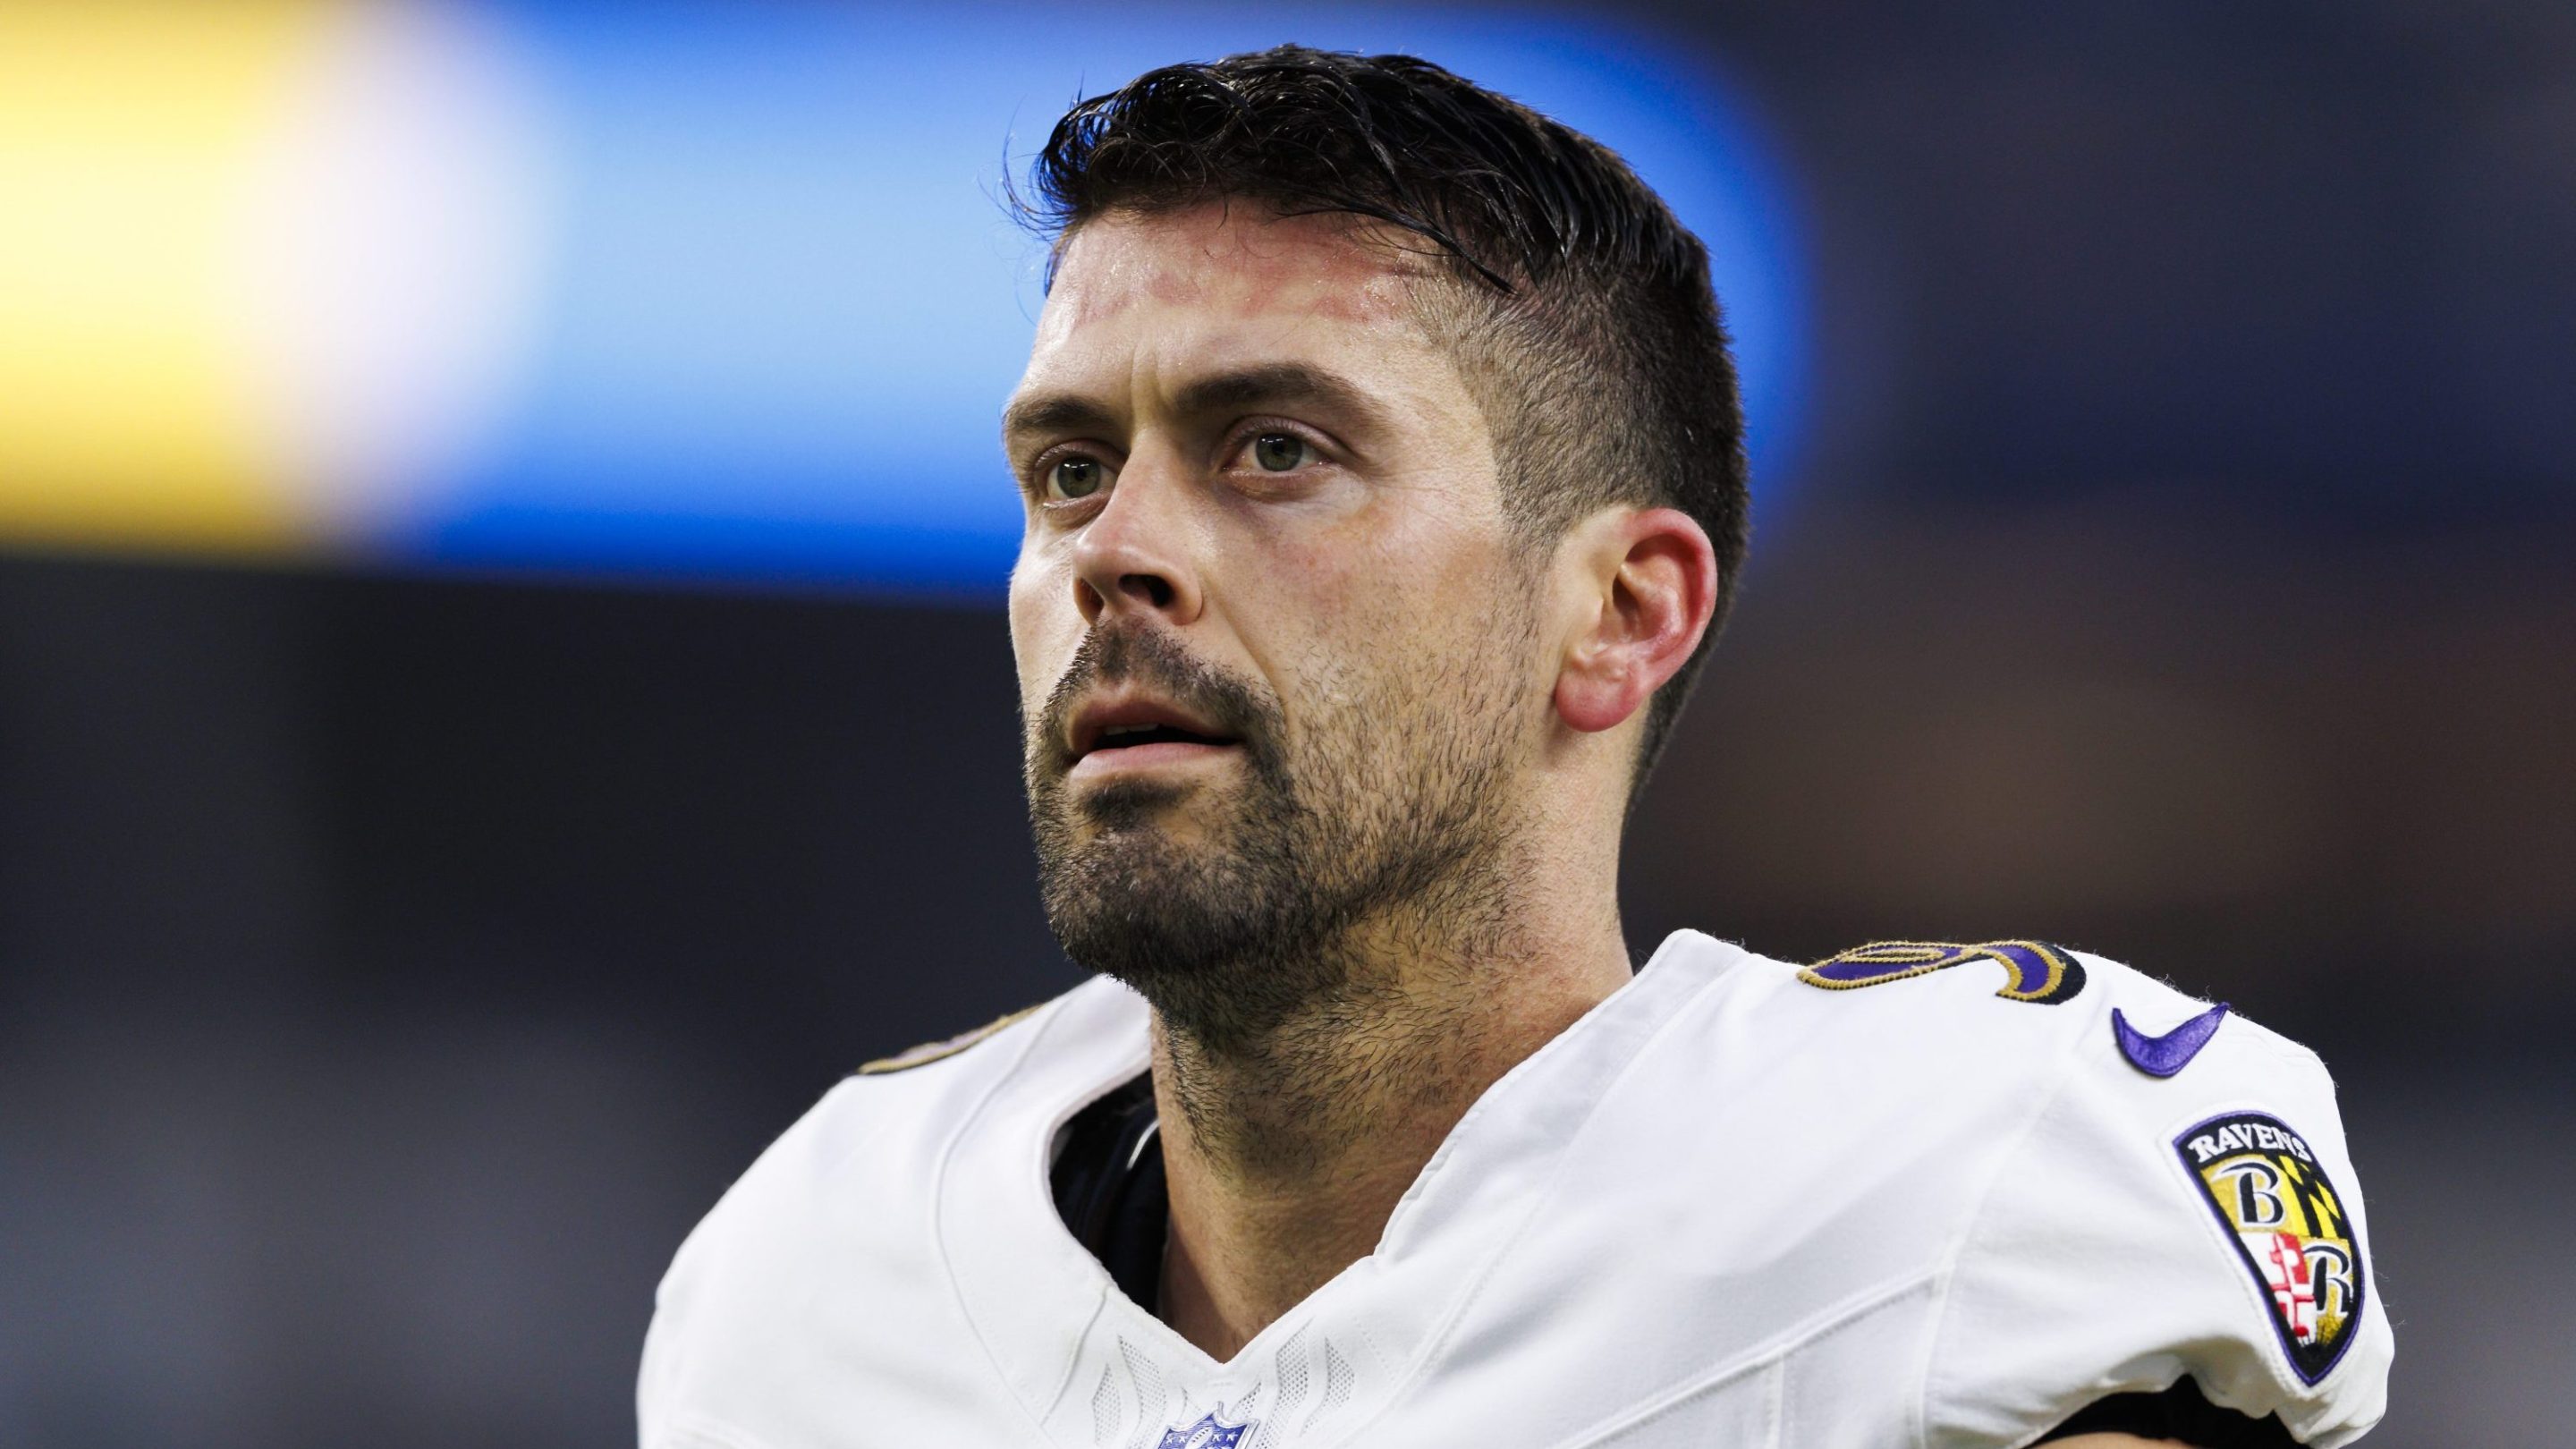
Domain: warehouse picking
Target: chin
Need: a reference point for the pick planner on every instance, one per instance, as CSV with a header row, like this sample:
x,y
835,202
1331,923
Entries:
x,y
1148,898
1136,904
1115,804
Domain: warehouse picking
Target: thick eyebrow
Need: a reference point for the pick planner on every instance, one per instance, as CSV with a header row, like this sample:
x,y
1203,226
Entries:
x,y
1054,413
1270,384
1283,385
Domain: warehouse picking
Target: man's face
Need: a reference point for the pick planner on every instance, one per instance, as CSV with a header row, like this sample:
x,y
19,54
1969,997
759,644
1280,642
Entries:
x,y
1277,646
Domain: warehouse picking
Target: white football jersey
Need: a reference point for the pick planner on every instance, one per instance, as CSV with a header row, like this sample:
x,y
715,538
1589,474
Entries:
x,y
1871,1203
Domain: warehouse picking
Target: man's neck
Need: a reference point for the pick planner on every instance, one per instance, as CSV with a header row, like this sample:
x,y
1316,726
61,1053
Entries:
x,y
1286,1155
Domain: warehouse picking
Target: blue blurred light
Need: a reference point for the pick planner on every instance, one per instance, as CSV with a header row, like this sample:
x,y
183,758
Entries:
x,y
787,303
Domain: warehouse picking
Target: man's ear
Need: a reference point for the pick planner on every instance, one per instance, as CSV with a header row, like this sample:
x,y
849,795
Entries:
x,y
1646,580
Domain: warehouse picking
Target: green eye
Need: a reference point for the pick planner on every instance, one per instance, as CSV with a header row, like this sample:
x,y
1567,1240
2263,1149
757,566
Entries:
x,y
1278,452
1076,477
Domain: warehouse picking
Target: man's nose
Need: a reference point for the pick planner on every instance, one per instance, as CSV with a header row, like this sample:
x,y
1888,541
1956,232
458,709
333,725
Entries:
x,y
1135,554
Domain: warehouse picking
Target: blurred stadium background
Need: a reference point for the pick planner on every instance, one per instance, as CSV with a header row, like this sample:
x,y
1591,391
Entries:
x,y
503,699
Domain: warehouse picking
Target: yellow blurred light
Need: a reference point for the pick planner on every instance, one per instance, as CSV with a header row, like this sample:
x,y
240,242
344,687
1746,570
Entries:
x,y
129,137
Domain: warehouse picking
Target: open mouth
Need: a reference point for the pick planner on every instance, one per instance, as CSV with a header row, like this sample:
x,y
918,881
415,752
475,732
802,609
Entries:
x,y
1146,737
1128,737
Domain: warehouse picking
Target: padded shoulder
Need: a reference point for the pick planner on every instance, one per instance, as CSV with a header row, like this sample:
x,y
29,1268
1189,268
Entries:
x,y
846,1196
2183,1204
2020,1004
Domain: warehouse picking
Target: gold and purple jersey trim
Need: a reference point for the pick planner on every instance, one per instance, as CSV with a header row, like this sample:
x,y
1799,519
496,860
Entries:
x,y
2038,972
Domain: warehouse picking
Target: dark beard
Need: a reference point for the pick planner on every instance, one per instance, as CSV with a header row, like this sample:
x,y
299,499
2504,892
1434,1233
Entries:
x,y
1233,937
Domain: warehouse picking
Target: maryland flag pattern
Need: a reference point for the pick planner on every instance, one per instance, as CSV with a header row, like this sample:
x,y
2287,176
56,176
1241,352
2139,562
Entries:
x,y
2291,1228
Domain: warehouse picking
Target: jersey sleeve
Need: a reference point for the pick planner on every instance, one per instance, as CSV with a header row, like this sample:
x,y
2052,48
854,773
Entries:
x,y
2204,1222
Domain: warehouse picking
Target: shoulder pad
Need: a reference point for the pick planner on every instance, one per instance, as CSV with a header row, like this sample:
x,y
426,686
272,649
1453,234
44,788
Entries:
x,y
2035,971
928,1052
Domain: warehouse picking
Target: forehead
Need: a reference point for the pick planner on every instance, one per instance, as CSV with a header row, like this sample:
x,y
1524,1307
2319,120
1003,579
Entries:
x,y
1230,280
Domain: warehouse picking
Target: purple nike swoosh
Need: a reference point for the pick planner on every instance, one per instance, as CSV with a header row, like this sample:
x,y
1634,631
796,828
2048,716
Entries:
x,y
2162,1056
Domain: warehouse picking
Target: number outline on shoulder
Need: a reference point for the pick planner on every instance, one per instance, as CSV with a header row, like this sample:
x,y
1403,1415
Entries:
x,y
2036,972
940,1051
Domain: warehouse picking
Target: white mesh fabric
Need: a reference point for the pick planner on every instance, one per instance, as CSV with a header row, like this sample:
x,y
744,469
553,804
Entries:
x,y
1105,1418
1290,1366
1149,1386
1337,1386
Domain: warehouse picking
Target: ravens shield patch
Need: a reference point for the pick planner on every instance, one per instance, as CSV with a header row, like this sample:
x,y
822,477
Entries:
x,y
2290,1226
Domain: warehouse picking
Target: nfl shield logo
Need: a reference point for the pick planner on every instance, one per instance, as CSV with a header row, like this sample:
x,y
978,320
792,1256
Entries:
x,y
1207,1433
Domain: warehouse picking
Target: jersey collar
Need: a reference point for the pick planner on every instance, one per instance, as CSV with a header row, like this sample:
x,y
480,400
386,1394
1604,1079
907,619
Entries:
x,y
1042,1306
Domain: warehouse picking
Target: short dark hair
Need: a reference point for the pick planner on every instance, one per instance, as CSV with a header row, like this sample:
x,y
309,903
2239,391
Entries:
x,y
1597,344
